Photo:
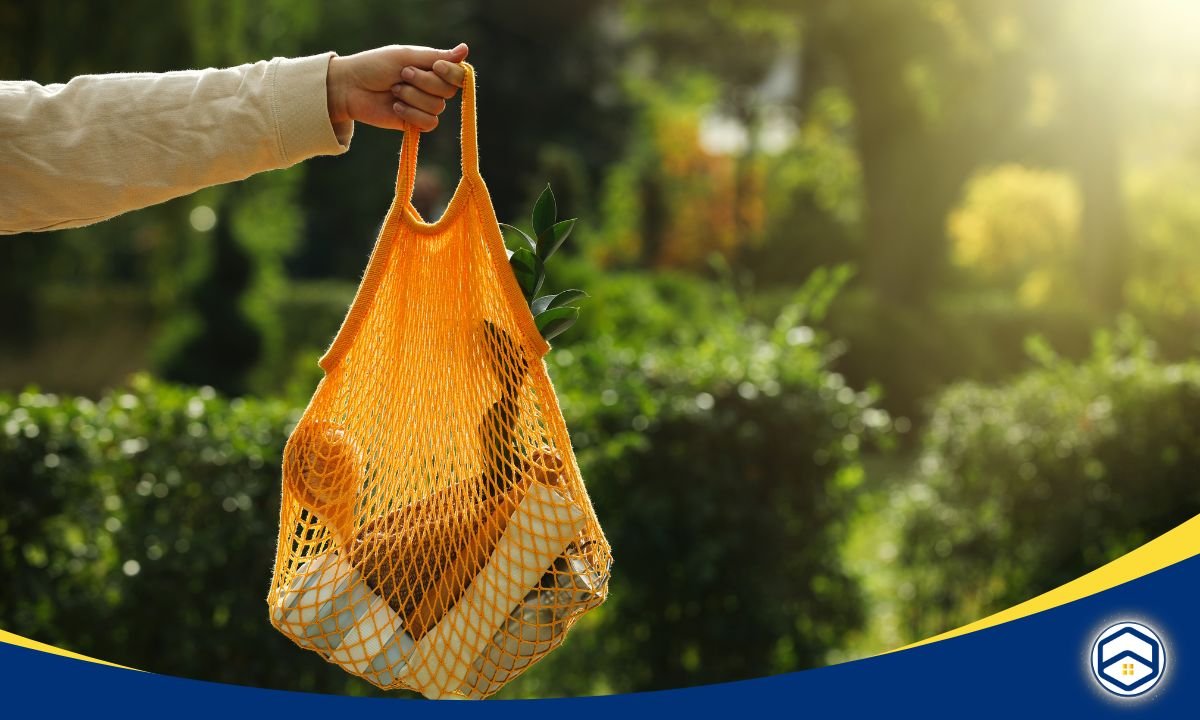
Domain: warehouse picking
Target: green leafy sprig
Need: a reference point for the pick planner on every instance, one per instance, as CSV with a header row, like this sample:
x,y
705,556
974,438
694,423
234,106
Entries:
x,y
527,256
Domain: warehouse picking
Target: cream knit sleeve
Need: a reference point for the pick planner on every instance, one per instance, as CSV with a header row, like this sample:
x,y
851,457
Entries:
x,y
101,145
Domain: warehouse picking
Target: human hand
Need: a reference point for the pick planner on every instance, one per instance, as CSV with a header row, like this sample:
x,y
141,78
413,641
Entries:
x,y
394,87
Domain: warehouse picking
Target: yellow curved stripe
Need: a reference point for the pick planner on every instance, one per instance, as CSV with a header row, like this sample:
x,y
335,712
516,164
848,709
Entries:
x,y
12,639
1174,546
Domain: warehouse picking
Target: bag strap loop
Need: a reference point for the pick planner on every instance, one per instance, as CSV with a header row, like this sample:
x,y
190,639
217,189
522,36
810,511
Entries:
x,y
468,141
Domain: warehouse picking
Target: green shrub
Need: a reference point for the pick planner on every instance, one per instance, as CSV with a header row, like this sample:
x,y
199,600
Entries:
x,y
1030,484
141,529
723,467
912,353
639,310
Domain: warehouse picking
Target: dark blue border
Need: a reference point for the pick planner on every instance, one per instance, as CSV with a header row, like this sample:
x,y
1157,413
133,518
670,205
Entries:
x,y
1038,666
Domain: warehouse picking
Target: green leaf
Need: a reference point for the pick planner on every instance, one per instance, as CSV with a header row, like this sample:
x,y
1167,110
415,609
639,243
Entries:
x,y
555,321
544,212
530,271
546,302
554,238
520,235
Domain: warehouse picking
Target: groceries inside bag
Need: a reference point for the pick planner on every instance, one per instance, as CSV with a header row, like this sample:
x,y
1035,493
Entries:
x,y
449,637
451,594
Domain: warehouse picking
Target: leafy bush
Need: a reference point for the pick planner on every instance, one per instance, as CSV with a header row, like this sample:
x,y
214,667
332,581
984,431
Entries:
x,y
637,310
141,529
723,467
913,353
1030,484
1019,226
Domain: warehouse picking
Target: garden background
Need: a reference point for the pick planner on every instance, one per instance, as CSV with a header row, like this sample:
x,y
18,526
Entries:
x,y
894,318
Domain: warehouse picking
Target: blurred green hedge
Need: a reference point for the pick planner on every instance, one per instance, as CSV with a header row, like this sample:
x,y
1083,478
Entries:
x,y
141,527
913,353
723,460
1029,484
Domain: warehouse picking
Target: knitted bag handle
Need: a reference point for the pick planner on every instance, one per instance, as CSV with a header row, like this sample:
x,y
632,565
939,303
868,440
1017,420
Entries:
x,y
402,213
468,140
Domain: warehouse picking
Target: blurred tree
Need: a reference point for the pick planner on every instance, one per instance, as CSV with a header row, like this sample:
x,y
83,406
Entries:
x,y
672,202
50,42
146,249
812,197
915,75
549,110
225,328
1082,60
214,342
739,44
734,47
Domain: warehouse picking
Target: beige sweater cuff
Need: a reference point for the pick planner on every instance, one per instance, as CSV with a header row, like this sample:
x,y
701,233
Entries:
x,y
301,110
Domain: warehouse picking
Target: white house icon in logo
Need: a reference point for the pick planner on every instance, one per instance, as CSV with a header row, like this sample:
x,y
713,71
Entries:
x,y
1128,659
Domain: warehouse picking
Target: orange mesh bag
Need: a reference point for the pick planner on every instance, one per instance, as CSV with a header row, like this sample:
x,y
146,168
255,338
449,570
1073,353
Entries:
x,y
435,533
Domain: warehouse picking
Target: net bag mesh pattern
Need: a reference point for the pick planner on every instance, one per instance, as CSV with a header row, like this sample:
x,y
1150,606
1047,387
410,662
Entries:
x,y
435,533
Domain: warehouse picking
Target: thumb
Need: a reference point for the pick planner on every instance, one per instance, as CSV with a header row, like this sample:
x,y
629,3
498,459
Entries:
x,y
424,57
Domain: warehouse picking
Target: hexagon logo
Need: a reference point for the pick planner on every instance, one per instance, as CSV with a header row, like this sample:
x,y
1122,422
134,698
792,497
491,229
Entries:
x,y
1128,659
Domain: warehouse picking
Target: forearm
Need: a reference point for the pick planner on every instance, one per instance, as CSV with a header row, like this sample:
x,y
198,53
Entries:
x,y
102,145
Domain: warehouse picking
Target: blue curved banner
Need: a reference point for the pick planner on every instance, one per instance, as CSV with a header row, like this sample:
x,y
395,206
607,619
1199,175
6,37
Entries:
x,y
1124,652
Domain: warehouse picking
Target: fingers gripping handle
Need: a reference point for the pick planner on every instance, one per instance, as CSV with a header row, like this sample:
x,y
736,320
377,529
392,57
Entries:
x,y
468,139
